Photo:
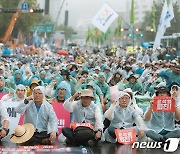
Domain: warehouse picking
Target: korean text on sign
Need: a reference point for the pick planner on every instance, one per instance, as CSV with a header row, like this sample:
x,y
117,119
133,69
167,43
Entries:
x,y
163,104
125,136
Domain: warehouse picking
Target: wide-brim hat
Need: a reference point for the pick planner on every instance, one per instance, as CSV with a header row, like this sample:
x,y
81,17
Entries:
x,y
87,93
22,133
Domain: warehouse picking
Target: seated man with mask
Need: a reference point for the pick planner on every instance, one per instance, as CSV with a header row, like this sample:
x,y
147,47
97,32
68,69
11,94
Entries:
x,y
40,113
87,119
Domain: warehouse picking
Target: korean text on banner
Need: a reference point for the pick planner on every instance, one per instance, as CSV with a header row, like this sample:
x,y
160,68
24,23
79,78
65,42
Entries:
x,y
14,117
125,136
63,116
163,104
104,18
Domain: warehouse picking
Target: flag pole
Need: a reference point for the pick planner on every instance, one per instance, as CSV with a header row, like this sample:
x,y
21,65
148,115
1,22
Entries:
x,y
132,19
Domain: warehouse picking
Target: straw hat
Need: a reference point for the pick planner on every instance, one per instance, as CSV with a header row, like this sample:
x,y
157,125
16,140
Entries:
x,y
22,133
87,93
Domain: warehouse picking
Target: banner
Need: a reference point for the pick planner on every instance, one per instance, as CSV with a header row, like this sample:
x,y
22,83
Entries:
x,y
14,117
63,116
163,104
167,15
125,136
104,18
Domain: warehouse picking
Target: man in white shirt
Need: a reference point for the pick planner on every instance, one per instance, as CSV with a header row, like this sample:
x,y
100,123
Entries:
x,y
84,112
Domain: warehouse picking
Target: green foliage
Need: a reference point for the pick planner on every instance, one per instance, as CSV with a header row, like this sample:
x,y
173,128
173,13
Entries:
x,y
25,22
150,36
96,36
117,31
68,31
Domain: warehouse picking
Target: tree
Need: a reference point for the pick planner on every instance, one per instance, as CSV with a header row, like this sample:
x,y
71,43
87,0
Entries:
x,y
149,35
68,31
25,22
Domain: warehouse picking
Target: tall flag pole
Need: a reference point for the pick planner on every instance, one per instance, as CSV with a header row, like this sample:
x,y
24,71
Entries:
x,y
153,17
132,16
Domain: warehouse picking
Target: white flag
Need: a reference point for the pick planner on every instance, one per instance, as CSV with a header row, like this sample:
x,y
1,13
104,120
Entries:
x,y
170,14
167,15
104,18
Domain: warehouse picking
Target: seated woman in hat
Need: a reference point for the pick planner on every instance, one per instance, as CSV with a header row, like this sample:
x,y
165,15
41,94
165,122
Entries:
x,y
40,113
85,114
161,124
133,83
123,116
115,79
34,83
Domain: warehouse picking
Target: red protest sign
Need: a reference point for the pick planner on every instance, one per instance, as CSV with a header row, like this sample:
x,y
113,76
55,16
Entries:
x,y
125,136
63,116
74,125
163,104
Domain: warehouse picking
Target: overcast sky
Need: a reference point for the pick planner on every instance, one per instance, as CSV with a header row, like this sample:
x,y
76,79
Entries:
x,y
80,10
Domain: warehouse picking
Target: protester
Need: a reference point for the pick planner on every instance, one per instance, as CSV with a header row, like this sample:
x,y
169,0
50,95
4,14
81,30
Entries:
x,y
19,95
40,113
2,85
161,124
133,83
122,116
105,89
84,111
34,83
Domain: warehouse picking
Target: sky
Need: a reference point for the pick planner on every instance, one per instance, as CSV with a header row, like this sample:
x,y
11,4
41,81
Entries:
x,y
81,11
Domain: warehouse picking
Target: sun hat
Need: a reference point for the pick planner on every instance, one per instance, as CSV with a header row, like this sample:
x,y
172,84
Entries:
x,y
87,93
22,133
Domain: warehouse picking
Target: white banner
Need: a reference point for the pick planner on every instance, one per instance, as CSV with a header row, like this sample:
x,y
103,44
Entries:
x,y
167,15
104,18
